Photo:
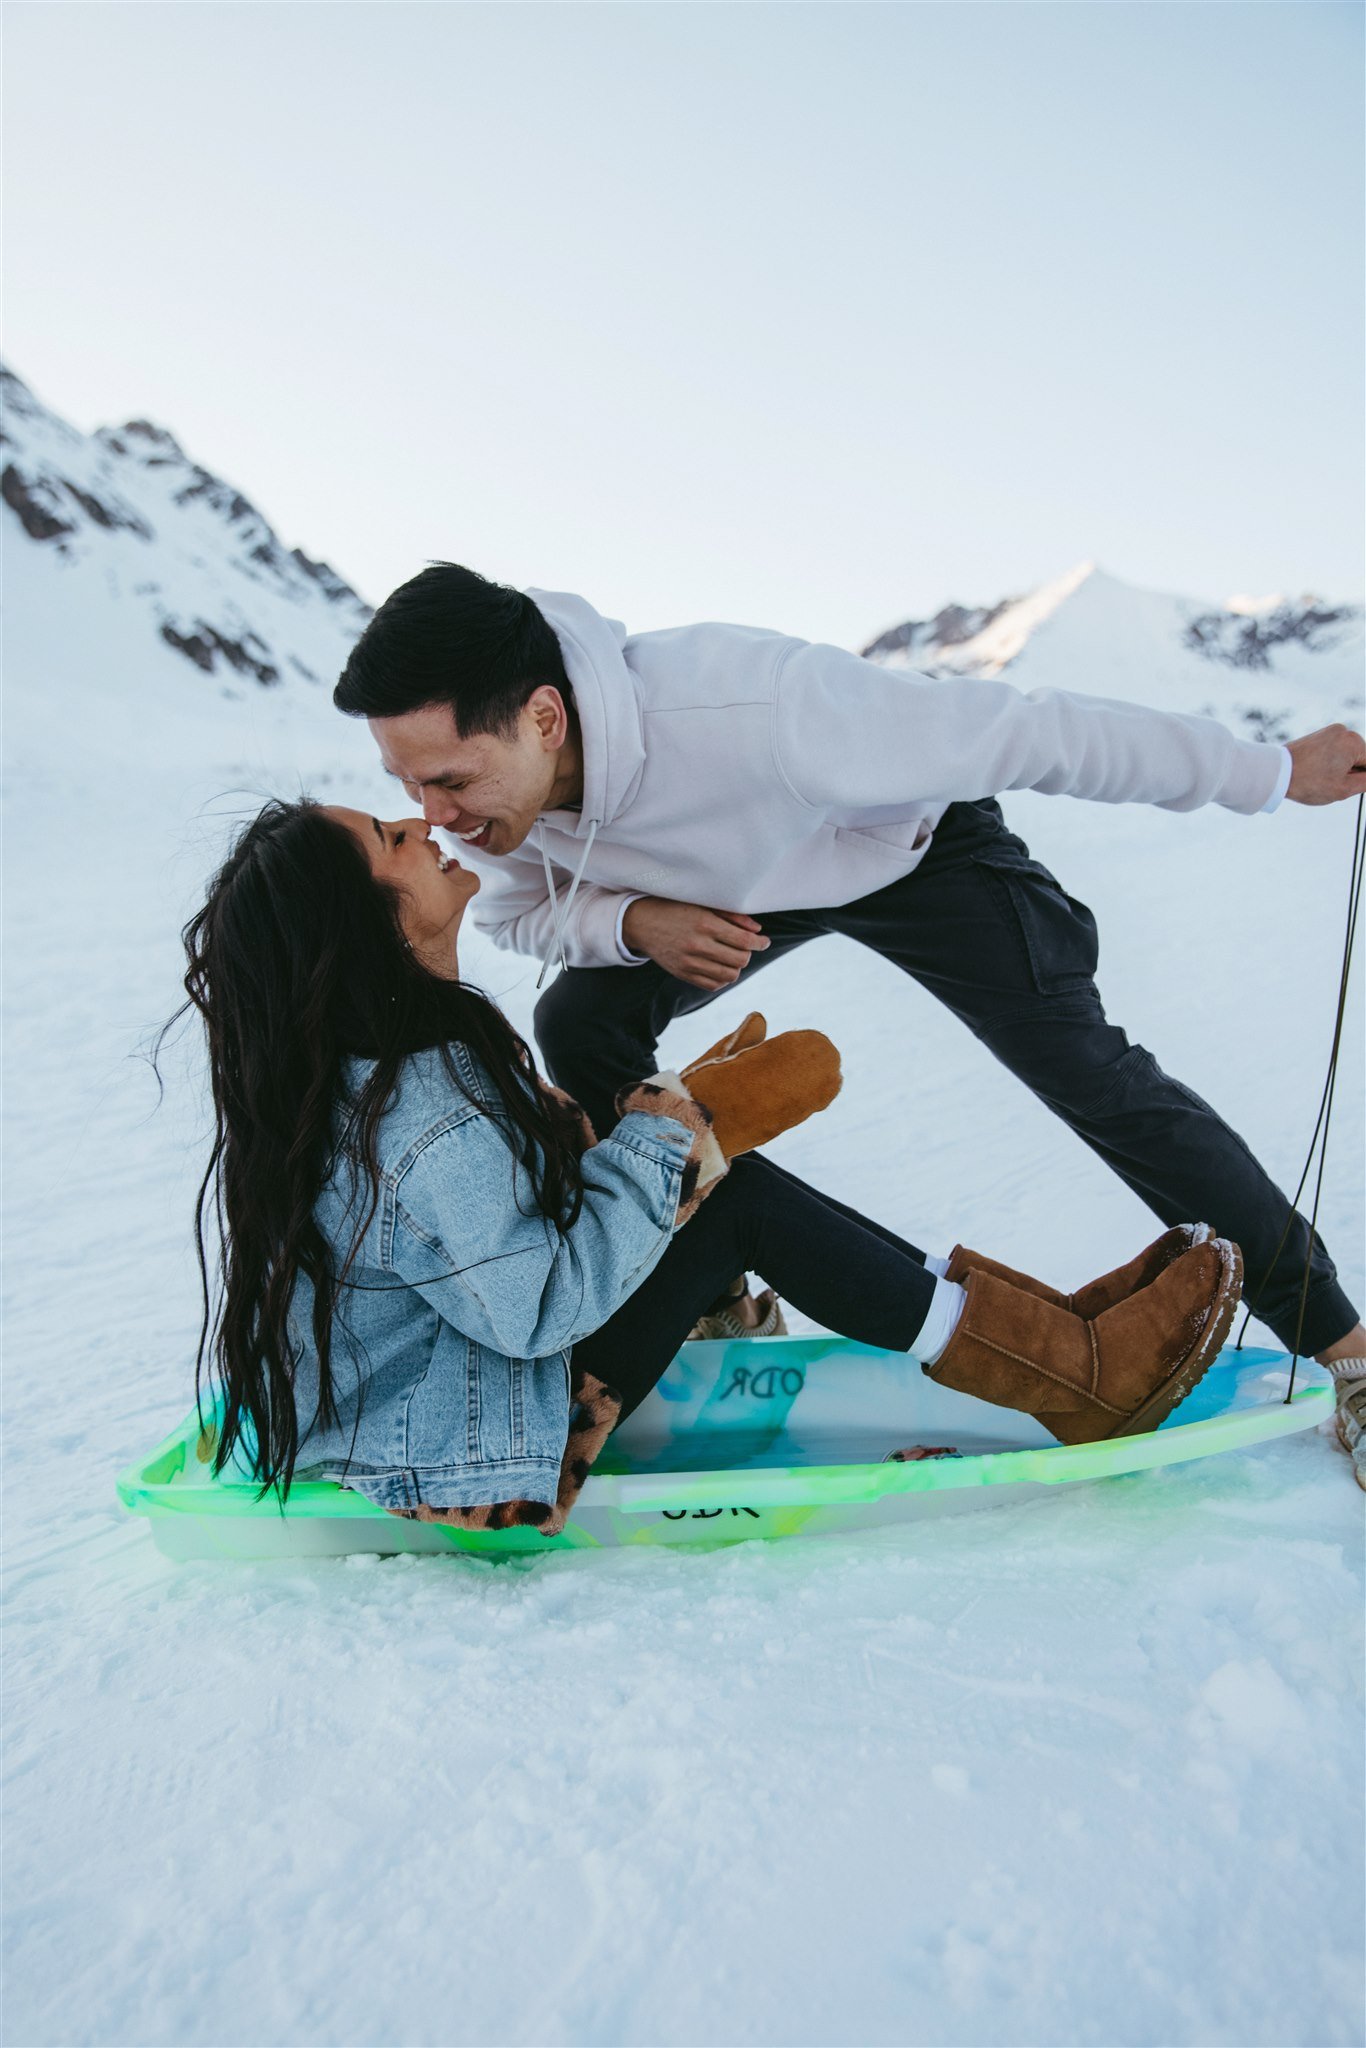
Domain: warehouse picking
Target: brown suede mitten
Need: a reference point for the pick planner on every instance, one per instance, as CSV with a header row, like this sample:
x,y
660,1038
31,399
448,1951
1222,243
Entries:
x,y
752,1031
756,1088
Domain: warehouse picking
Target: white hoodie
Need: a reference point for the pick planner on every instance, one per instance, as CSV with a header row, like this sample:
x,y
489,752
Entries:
x,y
745,770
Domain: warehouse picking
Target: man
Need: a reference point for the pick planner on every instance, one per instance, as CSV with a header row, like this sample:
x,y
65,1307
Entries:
x,y
664,812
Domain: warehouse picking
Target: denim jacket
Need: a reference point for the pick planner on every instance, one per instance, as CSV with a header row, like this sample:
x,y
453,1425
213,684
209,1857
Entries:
x,y
451,1343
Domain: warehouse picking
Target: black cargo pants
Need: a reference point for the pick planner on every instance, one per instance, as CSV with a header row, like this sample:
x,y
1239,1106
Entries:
x,y
991,933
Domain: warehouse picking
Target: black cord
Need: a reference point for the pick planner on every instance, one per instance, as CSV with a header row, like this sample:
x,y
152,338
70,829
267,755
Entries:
x,y
1323,1121
1353,888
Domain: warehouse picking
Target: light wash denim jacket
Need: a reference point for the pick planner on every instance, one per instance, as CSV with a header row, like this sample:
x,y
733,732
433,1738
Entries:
x,y
464,1300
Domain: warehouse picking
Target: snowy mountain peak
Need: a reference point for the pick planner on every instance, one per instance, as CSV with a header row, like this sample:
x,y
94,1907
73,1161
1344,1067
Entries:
x,y
1272,665
159,551
995,632
142,439
140,522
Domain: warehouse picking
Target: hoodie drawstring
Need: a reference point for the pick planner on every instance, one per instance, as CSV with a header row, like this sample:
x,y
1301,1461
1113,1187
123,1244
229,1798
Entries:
x,y
561,917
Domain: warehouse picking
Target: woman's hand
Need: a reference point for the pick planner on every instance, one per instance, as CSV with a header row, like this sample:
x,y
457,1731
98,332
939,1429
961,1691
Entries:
x,y
758,1087
742,1092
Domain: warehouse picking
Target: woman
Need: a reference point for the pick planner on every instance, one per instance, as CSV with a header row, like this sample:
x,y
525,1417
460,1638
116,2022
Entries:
x,y
439,1289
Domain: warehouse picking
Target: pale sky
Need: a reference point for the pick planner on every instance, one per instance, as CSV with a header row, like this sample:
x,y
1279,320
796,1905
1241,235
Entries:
x,y
810,316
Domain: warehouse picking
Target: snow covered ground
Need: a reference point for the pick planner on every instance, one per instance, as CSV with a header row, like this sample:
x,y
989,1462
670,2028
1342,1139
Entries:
x,y
1083,1771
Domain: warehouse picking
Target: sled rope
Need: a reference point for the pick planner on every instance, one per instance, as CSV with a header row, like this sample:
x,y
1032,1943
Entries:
x,y
1323,1121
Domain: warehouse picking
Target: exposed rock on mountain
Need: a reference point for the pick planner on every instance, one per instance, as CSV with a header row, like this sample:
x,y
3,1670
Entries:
x,y
160,551
128,511
1273,666
1248,642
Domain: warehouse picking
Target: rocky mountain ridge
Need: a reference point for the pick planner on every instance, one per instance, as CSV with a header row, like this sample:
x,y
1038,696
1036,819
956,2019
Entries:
x,y
128,506
161,545
1272,665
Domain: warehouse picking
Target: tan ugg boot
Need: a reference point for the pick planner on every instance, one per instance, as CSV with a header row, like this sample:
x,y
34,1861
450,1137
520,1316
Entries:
x,y
1097,1295
1114,1374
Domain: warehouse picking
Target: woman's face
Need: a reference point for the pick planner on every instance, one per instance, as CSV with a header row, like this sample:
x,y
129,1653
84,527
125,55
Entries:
x,y
433,888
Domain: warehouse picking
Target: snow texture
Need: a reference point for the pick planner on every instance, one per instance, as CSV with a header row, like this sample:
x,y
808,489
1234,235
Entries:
x,y
1081,1771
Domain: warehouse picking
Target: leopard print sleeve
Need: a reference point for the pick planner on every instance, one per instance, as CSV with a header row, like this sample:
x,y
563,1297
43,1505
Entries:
x,y
593,1416
706,1164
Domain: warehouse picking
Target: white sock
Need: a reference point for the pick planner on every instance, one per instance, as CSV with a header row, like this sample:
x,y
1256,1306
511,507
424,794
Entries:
x,y
940,1323
934,1264
1347,1368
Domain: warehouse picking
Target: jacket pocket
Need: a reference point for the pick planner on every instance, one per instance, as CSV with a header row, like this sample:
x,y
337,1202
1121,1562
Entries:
x,y
518,1407
441,1408
1056,932
517,1400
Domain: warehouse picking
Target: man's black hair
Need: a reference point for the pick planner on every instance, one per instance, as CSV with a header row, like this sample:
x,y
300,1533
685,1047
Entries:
x,y
449,636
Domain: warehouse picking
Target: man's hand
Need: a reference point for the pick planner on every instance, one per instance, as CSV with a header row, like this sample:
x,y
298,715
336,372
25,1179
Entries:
x,y
709,948
1328,766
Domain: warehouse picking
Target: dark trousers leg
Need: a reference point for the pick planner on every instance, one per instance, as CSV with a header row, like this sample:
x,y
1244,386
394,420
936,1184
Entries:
x,y
843,1209
598,1027
833,1264
992,934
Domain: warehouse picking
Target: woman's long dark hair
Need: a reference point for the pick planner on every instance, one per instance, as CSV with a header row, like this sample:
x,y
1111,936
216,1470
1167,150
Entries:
x,y
296,962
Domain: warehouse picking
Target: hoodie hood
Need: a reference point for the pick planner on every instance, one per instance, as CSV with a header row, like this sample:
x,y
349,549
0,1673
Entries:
x,y
605,696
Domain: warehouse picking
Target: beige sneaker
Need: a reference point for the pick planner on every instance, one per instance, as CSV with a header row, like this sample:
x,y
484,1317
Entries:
x,y
1349,1390
721,1325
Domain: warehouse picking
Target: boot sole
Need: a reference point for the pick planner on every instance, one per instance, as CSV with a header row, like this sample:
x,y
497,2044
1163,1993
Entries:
x,y
1202,1354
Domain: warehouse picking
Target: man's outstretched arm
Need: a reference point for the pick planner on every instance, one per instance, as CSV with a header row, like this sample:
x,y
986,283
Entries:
x,y
1327,766
849,735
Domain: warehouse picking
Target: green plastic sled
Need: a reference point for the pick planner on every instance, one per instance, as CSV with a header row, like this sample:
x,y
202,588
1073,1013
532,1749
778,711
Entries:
x,y
778,1436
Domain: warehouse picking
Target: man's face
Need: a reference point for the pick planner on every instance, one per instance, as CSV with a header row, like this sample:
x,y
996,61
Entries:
x,y
485,790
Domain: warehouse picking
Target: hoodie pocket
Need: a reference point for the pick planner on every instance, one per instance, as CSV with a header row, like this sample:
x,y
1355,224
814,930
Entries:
x,y
898,841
